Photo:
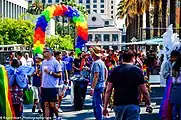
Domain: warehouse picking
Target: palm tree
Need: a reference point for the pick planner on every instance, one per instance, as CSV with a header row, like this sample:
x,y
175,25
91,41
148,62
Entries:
x,y
180,24
36,8
157,4
164,15
132,10
173,13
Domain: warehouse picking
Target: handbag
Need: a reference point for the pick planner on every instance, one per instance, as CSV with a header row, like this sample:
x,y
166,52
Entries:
x,y
28,96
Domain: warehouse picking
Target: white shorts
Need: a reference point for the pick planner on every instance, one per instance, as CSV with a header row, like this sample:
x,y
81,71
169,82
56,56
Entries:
x,y
36,92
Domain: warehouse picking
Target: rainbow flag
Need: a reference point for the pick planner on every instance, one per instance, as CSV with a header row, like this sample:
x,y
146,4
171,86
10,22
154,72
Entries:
x,y
6,109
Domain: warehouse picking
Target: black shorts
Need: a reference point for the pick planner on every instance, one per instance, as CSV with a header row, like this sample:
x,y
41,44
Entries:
x,y
49,94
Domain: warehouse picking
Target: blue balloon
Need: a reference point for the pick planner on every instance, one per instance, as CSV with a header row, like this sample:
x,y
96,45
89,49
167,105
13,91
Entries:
x,y
42,23
81,40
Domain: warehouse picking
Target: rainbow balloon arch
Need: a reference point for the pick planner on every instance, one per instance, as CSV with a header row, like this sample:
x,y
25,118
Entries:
x,y
60,10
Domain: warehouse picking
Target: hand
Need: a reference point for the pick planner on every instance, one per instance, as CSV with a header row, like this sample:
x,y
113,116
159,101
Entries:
x,y
105,112
149,109
91,92
46,71
66,82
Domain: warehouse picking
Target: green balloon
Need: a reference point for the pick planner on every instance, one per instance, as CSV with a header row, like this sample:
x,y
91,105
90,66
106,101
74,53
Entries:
x,y
77,51
38,50
75,19
46,13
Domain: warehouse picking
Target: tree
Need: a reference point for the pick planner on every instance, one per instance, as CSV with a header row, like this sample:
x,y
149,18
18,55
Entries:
x,y
16,31
36,8
133,11
164,15
157,10
173,13
60,43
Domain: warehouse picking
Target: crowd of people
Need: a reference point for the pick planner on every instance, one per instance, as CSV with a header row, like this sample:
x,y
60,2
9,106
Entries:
x,y
118,79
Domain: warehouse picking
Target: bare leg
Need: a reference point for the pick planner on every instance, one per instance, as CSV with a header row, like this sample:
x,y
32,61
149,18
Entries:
x,y
54,108
47,109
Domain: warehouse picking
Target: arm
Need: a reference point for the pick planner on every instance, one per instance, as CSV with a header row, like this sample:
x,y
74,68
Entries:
x,y
95,79
57,75
106,73
146,95
165,70
108,94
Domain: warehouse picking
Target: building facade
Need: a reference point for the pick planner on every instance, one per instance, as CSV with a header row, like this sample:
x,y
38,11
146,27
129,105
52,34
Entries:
x,y
46,1
13,8
101,7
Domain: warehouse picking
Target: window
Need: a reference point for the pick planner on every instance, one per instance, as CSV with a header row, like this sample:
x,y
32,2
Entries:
x,y
106,37
49,1
114,37
80,1
29,2
94,6
102,6
112,17
90,37
97,37
111,2
106,22
111,7
43,1
95,11
111,12
87,1
102,11
94,1
88,11
88,6
57,1
102,1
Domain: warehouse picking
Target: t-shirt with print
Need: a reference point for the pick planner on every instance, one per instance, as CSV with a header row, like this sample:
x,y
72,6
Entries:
x,y
49,81
98,66
63,67
126,79
77,64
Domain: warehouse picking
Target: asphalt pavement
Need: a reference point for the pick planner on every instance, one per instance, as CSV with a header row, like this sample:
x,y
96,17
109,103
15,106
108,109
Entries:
x,y
87,112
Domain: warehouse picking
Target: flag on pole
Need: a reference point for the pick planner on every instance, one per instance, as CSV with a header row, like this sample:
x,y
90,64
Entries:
x,y
6,109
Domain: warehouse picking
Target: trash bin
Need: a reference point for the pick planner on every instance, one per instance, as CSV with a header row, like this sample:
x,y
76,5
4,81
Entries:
x,y
80,88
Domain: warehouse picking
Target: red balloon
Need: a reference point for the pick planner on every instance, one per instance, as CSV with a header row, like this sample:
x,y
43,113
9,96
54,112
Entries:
x,y
58,11
40,32
64,8
40,38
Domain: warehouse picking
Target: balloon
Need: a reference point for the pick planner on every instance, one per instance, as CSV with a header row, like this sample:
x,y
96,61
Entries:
x,y
42,23
77,51
58,11
47,15
64,7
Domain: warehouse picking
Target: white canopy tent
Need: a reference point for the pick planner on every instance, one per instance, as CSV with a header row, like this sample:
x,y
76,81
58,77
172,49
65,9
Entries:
x,y
155,41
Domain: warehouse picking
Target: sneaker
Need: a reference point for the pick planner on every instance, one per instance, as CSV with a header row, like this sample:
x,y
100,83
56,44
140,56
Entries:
x,y
33,109
59,110
58,118
39,111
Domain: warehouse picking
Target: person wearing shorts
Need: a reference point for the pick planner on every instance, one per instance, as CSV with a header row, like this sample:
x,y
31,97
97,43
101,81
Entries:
x,y
51,73
63,81
36,84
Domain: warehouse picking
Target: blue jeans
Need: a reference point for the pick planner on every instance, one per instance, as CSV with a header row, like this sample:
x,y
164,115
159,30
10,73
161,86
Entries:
x,y
97,104
176,110
127,112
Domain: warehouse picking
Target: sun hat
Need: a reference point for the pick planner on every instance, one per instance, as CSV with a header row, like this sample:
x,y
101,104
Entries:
x,y
96,50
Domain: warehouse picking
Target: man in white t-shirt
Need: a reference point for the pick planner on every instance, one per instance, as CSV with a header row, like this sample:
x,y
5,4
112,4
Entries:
x,y
21,58
29,61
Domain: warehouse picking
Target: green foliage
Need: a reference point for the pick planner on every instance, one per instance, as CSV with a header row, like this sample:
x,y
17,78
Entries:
x,y
16,31
60,43
36,8
65,30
